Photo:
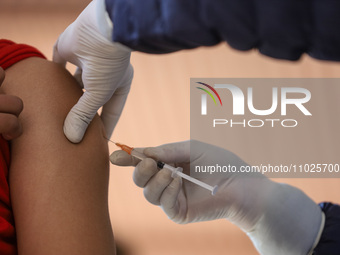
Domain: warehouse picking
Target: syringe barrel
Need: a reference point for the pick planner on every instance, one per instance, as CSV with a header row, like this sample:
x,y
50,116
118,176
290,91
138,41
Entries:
x,y
176,171
138,154
171,168
191,179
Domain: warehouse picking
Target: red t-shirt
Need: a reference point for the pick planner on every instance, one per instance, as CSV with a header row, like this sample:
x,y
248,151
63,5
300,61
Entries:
x,y
7,232
10,53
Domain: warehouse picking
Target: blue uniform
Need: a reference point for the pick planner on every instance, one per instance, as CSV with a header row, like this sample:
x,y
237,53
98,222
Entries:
x,y
283,29
329,243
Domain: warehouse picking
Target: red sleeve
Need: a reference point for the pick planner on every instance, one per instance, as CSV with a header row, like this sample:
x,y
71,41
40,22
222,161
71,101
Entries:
x,y
7,231
10,53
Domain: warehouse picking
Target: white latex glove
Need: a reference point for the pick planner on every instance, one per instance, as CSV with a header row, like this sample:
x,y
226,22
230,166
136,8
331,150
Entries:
x,y
279,218
104,70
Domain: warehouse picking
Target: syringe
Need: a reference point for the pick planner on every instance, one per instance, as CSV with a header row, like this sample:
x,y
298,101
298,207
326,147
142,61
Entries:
x,y
175,171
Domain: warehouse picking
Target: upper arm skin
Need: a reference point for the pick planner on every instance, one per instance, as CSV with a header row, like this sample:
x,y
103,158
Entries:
x,y
59,190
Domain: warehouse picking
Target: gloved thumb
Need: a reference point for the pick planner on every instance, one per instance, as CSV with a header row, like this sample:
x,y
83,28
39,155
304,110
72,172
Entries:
x,y
57,58
112,111
81,115
170,153
78,76
114,107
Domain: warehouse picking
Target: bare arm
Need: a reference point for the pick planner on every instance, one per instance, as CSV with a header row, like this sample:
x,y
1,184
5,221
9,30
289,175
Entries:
x,y
59,190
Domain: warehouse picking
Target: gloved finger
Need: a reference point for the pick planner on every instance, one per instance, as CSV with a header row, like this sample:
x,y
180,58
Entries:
x,y
144,171
121,158
171,153
111,112
78,76
10,126
82,113
113,108
155,187
57,58
169,197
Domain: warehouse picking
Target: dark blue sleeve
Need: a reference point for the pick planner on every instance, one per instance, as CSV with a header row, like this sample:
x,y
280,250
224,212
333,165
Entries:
x,y
330,239
282,29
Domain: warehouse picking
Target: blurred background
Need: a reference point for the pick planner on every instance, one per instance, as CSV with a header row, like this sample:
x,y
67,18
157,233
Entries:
x,y
157,112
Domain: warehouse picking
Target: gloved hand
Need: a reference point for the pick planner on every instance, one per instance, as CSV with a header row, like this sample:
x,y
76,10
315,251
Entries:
x,y
279,218
10,108
104,70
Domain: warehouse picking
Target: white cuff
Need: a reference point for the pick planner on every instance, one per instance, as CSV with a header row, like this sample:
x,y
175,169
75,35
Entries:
x,y
104,22
317,239
105,25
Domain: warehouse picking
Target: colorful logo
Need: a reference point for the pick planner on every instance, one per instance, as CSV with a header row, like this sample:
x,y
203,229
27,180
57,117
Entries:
x,y
239,98
209,93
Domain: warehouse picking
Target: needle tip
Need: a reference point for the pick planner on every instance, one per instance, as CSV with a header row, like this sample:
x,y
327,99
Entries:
x,y
124,147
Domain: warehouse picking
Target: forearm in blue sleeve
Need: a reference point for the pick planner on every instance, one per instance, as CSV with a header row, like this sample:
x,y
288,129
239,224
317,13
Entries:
x,y
165,26
279,29
330,239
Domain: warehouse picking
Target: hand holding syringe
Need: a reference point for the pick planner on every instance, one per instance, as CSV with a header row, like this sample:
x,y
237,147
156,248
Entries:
x,y
175,171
